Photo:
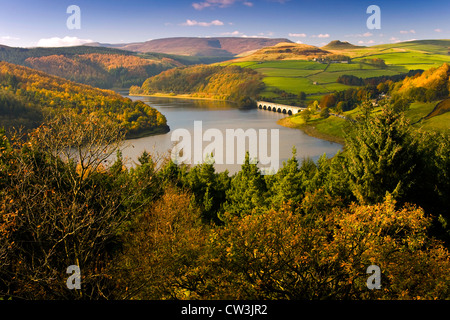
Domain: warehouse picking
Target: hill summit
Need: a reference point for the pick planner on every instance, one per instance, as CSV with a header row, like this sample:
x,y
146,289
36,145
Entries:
x,y
198,46
285,51
339,45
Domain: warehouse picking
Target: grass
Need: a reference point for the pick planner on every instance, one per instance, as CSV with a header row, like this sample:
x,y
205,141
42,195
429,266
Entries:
x,y
294,76
274,72
290,64
437,123
292,85
410,60
332,128
419,110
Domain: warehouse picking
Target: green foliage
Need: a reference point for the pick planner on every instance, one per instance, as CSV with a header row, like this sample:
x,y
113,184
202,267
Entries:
x,y
230,83
97,66
382,156
287,185
169,231
28,96
247,190
324,112
208,189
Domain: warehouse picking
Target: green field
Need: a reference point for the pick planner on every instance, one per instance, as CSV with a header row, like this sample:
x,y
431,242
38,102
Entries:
x,y
410,60
317,79
438,123
293,84
313,78
332,128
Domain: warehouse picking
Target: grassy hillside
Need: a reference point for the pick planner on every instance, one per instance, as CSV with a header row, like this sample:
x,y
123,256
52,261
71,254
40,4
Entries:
x,y
332,128
424,97
290,67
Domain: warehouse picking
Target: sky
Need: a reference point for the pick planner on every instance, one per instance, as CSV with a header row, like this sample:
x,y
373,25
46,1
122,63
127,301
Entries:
x,y
31,23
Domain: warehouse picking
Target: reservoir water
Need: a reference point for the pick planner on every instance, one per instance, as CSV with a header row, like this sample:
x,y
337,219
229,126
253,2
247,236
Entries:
x,y
222,115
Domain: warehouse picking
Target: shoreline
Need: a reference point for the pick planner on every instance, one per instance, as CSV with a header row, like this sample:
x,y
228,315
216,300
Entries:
x,y
147,133
178,96
285,122
310,131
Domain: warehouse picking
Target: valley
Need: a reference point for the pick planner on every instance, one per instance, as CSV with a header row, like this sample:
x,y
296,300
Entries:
x,y
141,158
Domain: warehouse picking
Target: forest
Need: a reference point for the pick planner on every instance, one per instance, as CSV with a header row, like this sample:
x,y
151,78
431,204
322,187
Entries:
x,y
232,83
29,96
352,80
161,230
97,66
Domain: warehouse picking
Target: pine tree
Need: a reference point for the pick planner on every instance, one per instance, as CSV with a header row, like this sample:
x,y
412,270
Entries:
x,y
287,185
247,190
381,156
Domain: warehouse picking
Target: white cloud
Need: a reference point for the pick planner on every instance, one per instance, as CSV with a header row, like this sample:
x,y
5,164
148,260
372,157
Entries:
x,y
396,40
8,38
191,23
62,42
359,35
234,33
437,30
237,33
366,42
267,34
219,4
326,35
406,31
297,35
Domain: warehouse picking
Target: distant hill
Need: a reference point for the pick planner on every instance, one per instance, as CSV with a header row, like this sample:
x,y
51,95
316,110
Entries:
x,y
192,46
231,83
340,45
285,51
28,96
438,46
97,66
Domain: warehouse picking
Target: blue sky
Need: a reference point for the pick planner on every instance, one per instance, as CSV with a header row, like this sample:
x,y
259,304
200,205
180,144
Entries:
x,y
28,23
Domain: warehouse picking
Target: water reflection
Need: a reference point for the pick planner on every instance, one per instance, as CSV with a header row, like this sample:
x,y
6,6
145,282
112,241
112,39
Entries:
x,y
181,113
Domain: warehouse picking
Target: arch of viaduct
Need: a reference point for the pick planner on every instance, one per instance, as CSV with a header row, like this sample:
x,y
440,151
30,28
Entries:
x,y
281,108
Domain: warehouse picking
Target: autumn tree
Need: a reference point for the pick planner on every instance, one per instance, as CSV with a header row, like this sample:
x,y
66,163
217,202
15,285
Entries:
x,y
325,253
163,254
59,207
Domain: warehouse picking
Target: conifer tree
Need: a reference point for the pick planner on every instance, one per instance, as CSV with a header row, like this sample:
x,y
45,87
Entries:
x,y
247,190
381,156
287,185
